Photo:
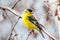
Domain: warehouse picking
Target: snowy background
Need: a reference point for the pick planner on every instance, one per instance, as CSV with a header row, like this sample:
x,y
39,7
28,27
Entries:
x,y
39,10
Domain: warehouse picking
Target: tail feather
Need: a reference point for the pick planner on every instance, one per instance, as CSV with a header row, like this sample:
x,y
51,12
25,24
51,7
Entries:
x,y
42,34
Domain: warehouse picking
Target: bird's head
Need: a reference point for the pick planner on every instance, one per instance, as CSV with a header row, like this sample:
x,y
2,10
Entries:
x,y
30,10
27,11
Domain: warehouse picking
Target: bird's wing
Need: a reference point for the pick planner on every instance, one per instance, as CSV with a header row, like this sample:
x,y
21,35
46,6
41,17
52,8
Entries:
x,y
34,21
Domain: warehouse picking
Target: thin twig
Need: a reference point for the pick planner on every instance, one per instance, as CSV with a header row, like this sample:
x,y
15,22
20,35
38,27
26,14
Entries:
x,y
29,34
50,35
13,28
15,4
9,20
13,8
8,16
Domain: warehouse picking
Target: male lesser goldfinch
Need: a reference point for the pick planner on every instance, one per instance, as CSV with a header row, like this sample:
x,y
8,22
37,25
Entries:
x,y
29,21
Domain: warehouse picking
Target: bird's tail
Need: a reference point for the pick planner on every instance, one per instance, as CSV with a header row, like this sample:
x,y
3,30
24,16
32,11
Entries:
x,y
42,34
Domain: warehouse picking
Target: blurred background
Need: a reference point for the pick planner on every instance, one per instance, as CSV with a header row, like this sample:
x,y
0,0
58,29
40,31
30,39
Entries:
x,y
46,12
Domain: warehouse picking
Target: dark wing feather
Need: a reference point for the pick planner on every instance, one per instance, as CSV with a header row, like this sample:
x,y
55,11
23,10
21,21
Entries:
x,y
34,21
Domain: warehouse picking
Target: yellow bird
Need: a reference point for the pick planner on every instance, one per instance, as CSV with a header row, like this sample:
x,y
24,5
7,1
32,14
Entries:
x,y
30,22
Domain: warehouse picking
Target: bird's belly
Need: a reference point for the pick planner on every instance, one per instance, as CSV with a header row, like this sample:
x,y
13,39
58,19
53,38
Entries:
x,y
28,24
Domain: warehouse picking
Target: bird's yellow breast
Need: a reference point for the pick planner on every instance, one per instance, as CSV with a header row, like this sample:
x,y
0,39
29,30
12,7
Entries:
x,y
28,23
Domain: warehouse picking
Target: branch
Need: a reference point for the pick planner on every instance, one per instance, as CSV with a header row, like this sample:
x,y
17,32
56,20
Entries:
x,y
11,25
15,4
11,10
13,28
50,35
8,16
11,21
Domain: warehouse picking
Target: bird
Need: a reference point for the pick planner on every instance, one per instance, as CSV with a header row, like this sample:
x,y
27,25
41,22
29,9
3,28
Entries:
x,y
30,21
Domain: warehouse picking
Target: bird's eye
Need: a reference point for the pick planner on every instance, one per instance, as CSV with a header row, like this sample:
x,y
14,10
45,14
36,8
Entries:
x,y
29,10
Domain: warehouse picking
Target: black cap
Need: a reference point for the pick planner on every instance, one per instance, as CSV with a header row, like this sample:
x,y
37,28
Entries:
x,y
29,10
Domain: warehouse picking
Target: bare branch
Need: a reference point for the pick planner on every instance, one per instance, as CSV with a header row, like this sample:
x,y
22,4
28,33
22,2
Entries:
x,y
9,18
15,4
50,35
29,34
13,28
11,10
